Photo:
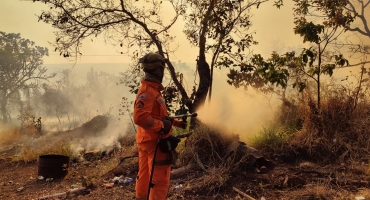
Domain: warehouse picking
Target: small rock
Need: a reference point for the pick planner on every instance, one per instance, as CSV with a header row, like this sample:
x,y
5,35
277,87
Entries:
x,y
20,189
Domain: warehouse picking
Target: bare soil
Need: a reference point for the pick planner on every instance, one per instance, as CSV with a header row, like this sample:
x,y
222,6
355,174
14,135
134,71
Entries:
x,y
296,180
290,179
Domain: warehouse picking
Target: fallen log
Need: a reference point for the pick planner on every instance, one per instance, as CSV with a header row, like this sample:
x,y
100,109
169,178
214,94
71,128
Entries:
x,y
63,193
182,171
243,194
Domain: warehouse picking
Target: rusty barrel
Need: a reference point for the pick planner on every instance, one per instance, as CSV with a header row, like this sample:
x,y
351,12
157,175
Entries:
x,y
53,166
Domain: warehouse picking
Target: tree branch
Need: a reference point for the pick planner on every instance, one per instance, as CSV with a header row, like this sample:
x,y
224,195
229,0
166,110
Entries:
x,y
159,47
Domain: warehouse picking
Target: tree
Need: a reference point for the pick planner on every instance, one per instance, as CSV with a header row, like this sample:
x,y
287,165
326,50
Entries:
x,y
140,26
55,102
20,67
223,33
312,62
348,14
342,12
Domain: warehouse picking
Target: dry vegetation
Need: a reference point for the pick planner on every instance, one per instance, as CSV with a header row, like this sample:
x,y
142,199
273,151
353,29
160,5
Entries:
x,y
317,155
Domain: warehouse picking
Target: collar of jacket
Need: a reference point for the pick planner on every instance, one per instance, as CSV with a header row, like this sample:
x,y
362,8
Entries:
x,y
157,86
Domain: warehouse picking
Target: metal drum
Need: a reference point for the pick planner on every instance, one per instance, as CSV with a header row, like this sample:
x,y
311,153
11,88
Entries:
x,y
53,166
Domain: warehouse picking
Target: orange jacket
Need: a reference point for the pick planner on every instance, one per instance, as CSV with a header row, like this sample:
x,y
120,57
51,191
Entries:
x,y
149,109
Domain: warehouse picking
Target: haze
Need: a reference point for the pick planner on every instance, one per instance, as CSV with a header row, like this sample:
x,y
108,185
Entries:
x,y
243,112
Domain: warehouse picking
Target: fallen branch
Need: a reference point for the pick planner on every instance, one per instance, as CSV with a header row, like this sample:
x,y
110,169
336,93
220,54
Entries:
x,y
120,162
243,194
182,171
63,193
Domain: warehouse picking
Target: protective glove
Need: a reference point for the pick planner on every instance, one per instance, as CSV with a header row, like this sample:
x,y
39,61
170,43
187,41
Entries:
x,y
182,124
167,124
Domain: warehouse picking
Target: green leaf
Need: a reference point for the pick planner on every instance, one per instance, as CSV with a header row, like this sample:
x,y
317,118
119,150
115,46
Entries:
x,y
310,53
305,58
311,62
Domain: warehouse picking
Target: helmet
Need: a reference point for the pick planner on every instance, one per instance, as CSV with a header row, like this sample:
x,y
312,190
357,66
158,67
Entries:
x,y
152,61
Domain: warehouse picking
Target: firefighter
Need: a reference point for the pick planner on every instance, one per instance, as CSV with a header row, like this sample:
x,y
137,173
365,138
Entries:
x,y
151,117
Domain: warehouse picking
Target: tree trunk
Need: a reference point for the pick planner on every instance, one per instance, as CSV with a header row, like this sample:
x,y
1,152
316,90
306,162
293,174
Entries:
x,y
318,81
204,83
210,85
3,110
202,65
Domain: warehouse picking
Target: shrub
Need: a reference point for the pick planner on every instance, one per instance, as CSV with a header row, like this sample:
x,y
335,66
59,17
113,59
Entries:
x,y
271,141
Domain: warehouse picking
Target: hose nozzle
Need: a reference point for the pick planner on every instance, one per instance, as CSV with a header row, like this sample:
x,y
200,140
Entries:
x,y
185,115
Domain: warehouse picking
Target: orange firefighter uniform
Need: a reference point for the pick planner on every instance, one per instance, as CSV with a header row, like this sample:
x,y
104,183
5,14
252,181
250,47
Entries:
x,y
149,109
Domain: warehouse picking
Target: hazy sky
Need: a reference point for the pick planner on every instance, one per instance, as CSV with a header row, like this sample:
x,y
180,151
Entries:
x,y
274,29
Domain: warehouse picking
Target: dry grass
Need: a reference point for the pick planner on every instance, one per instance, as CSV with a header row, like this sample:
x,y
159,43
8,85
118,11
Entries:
x,y
207,145
323,191
338,129
315,191
127,139
207,148
10,136
30,154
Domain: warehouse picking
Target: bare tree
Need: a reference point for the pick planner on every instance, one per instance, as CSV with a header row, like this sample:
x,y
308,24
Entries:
x,y
358,8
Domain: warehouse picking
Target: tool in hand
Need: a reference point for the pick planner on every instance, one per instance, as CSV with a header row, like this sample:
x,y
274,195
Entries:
x,y
184,116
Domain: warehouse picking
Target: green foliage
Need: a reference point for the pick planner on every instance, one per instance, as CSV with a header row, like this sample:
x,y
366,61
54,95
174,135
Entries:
x,y
283,70
271,137
334,11
175,103
278,3
270,140
301,86
309,31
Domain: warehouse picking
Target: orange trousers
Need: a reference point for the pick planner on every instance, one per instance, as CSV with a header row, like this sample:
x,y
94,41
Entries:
x,y
161,173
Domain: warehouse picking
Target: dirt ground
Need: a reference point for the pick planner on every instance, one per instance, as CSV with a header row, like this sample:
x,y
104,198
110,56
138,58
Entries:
x,y
290,180
298,180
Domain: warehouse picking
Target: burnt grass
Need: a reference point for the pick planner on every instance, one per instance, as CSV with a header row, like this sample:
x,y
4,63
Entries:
x,y
296,179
